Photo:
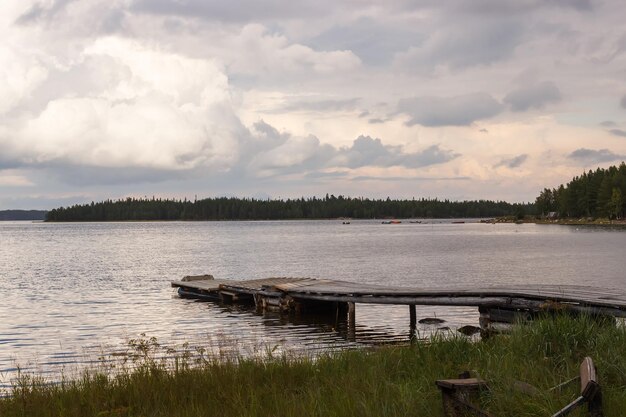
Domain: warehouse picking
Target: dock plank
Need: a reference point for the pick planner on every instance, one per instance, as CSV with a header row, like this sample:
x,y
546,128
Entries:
x,y
206,285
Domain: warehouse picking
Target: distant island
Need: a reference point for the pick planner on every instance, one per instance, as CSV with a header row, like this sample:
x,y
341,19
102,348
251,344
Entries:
x,y
599,194
328,207
22,215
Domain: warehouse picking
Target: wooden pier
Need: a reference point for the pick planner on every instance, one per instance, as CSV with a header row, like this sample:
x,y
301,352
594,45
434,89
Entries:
x,y
497,305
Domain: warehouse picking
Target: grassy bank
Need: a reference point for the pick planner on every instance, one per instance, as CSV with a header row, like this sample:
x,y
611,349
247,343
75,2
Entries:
x,y
394,381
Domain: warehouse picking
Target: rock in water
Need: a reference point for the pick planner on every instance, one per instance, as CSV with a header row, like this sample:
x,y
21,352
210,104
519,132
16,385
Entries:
x,y
468,330
431,320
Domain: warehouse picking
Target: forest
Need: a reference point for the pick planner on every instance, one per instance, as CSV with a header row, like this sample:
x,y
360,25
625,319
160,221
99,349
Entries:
x,y
328,207
593,194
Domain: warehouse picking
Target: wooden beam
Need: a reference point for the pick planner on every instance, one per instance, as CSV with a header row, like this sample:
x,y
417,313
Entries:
x,y
412,321
351,314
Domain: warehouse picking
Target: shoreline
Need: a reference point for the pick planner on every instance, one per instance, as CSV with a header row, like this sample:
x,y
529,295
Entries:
x,y
387,381
564,222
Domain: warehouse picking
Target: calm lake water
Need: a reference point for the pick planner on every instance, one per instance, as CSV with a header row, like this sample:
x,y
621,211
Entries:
x,y
74,292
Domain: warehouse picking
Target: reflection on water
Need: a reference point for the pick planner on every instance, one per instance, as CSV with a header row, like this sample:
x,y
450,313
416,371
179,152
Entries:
x,y
74,292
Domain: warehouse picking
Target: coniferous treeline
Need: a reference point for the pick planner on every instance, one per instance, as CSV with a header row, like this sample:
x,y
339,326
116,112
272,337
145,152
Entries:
x,y
328,207
598,193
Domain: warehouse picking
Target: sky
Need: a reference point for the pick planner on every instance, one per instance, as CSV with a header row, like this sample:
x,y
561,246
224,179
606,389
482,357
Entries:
x,y
456,99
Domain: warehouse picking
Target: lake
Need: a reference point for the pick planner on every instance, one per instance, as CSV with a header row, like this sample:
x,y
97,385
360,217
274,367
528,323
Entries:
x,y
75,292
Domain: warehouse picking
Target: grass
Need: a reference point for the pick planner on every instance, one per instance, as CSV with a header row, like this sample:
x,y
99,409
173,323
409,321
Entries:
x,y
391,381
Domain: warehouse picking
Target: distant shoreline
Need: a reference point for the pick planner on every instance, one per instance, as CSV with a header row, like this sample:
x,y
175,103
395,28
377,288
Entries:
x,y
602,222
18,215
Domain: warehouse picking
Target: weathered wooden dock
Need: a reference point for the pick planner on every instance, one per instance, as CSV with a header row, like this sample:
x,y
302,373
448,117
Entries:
x,y
497,304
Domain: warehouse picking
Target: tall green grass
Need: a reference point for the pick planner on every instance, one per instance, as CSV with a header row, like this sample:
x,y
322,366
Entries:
x,y
390,381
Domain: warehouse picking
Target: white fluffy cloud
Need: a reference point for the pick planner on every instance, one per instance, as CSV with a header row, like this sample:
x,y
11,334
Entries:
x,y
20,75
271,54
154,110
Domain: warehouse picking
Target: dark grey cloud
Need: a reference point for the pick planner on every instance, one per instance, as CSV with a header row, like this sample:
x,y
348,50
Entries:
x,y
449,111
623,102
10,156
594,156
581,5
483,44
376,121
533,96
240,11
34,13
316,105
250,10
618,132
40,12
463,43
507,7
9,164
373,41
515,162
408,179
323,175
366,151
269,131
364,114
608,123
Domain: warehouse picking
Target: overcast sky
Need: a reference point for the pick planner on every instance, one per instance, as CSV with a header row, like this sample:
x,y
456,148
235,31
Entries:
x,y
480,99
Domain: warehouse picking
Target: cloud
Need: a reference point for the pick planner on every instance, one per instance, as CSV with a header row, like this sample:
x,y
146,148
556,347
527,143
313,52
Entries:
x,y
177,118
298,154
270,54
618,132
608,123
143,92
449,111
326,175
463,43
90,175
581,5
20,74
294,154
533,96
366,151
373,40
408,179
317,105
496,7
241,12
592,156
12,179
515,162
38,11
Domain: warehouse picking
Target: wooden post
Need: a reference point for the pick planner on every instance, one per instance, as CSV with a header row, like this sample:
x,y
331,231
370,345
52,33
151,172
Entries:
x,y
351,322
341,311
413,321
351,314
